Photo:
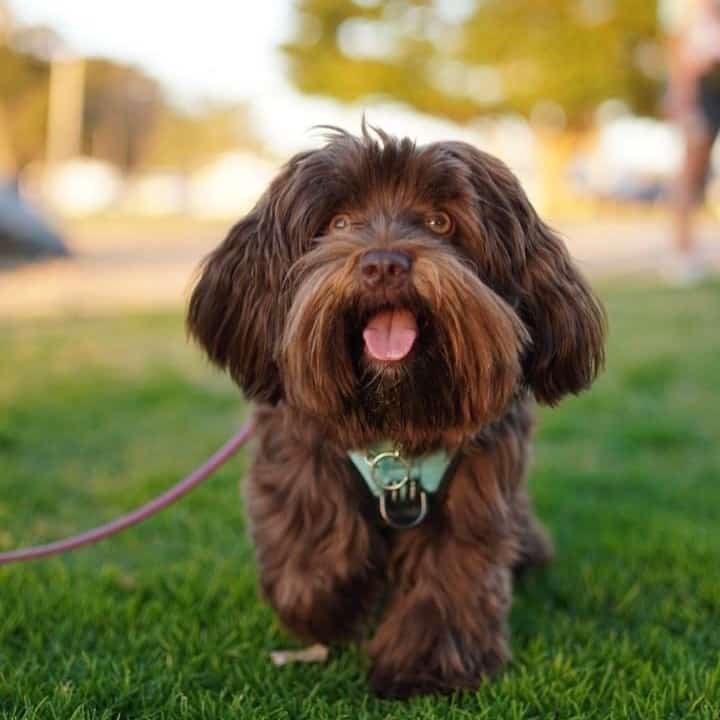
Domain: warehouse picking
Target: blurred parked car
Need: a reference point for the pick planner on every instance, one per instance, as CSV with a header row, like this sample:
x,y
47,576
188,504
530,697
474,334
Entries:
x,y
23,230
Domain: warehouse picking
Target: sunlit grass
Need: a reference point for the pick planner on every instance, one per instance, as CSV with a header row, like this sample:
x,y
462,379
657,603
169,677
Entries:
x,y
97,415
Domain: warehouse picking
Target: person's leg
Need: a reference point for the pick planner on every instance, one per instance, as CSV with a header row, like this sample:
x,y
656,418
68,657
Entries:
x,y
700,132
690,184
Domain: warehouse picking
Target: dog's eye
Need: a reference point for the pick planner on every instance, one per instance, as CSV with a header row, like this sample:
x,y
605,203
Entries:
x,y
439,222
341,222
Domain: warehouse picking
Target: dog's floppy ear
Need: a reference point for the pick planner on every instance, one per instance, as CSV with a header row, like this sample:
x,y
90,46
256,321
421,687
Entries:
x,y
566,321
532,268
239,303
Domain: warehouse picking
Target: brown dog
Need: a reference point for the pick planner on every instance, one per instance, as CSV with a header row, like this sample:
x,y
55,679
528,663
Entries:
x,y
393,309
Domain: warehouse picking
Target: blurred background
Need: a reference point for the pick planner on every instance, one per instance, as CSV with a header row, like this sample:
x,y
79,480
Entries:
x,y
130,137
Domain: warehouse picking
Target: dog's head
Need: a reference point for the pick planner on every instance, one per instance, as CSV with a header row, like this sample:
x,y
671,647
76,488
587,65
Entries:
x,y
389,290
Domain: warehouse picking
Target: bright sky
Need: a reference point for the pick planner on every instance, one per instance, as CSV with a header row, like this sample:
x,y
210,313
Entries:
x,y
218,48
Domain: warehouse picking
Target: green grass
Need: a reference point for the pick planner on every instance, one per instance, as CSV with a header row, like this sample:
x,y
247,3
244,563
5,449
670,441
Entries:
x,y
98,415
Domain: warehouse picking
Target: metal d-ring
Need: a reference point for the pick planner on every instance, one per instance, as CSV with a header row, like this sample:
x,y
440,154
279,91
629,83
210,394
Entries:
x,y
422,512
374,463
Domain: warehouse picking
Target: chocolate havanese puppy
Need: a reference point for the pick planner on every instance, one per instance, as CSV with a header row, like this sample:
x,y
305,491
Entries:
x,y
395,310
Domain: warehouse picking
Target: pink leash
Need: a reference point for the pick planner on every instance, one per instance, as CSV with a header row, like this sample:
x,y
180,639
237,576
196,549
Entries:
x,y
134,517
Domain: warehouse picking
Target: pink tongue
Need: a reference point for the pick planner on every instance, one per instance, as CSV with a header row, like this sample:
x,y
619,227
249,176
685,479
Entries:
x,y
390,335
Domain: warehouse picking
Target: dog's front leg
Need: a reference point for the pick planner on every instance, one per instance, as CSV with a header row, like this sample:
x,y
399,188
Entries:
x,y
446,625
318,558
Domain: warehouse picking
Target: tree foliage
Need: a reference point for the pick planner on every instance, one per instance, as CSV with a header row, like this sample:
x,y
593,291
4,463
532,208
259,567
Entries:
x,y
127,119
185,140
23,103
121,107
462,58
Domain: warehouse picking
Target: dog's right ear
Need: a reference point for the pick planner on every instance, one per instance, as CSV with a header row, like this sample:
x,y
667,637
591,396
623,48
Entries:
x,y
238,306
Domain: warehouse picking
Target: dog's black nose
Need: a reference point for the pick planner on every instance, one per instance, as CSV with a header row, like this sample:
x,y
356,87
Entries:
x,y
385,267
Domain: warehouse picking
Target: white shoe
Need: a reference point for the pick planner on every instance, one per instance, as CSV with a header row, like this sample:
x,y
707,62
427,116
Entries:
x,y
683,270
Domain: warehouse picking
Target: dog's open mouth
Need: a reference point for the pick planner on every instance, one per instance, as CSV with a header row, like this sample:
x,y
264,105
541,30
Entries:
x,y
390,335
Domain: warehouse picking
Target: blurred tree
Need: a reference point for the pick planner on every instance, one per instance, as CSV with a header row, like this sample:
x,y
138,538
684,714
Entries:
x,y
6,20
23,105
24,85
126,118
462,58
122,105
185,140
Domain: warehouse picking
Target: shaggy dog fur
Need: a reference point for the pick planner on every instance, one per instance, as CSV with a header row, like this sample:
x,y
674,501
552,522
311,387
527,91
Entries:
x,y
502,316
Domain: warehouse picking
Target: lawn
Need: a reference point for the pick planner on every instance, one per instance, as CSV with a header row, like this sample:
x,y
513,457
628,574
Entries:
x,y
99,414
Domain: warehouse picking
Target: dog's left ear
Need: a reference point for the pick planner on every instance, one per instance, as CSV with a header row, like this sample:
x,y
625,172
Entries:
x,y
532,268
238,306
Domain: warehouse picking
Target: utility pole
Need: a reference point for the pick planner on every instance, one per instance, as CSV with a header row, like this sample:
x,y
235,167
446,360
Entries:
x,y
8,165
65,113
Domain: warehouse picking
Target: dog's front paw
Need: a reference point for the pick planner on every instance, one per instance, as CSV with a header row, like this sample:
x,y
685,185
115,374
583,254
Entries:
x,y
436,676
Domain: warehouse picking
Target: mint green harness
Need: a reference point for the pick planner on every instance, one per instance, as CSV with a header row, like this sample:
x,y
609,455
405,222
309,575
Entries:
x,y
395,479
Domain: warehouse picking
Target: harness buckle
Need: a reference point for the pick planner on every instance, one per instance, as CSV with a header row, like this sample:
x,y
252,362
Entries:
x,y
393,521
